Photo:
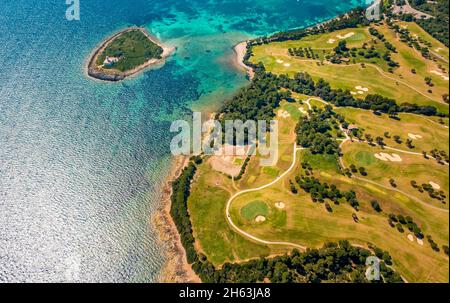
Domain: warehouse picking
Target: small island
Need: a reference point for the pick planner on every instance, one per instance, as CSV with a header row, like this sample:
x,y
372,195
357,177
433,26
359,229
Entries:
x,y
125,54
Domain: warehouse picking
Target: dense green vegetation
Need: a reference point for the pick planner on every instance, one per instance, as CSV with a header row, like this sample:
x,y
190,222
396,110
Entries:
x,y
132,49
333,263
437,27
321,191
179,210
316,132
352,19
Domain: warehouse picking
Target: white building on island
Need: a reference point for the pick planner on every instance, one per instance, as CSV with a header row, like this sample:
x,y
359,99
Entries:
x,y
110,61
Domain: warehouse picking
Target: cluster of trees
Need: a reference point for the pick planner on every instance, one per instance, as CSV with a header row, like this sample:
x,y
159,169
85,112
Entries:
x,y
243,168
179,210
321,191
440,155
434,194
133,48
423,47
301,52
335,262
314,132
399,221
255,102
303,83
437,27
352,19
362,170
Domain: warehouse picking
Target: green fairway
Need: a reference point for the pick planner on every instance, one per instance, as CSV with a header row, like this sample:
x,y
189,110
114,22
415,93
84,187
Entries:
x,y
411,168
255,209
402,84
432,134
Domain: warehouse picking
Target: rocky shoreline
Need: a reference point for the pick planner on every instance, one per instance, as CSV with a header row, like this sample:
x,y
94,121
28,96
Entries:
x,y
95,72
176,269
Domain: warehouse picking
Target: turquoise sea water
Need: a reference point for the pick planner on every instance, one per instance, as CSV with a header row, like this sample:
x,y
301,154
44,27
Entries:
x,y
82,162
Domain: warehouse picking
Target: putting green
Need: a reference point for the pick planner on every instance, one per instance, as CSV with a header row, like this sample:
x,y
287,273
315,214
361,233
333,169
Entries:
x,y
255,209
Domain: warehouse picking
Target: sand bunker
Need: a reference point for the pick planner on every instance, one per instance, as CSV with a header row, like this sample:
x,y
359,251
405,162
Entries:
x,y
362,88
440,74
287,65
415,137
411,238
283,114
279,61
388,157
420,242
435,185
331,41
353,93
346,36
280,205
260,219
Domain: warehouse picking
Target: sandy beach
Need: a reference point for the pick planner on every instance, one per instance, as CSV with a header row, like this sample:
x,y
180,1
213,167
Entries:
x,y
241,50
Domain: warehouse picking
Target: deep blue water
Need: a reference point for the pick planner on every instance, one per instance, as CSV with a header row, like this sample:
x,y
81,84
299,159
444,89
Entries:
x,y
82,162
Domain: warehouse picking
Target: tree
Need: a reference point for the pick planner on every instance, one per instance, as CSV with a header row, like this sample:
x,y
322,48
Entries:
x,y
380,141
362,171
376,206
369,139
393,183
409,144
398,139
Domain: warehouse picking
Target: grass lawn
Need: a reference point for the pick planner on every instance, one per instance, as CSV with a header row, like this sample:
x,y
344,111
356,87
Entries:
x,y
215,239
255,209
433,135
412,167
436,46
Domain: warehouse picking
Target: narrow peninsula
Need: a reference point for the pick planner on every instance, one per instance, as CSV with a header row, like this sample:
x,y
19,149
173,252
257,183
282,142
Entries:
x,y
125,54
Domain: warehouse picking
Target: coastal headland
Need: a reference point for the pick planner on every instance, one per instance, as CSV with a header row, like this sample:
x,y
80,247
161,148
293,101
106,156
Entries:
x,y
105,67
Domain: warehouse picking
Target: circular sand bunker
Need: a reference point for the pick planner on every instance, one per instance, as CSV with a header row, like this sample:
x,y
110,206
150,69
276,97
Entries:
x,y
411,238
280,205
260,219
